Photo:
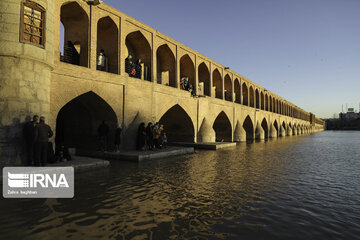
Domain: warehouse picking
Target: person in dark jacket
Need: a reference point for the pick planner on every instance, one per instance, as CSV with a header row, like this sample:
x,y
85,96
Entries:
x,y
29,135
141,136
150,136
42,134
103,132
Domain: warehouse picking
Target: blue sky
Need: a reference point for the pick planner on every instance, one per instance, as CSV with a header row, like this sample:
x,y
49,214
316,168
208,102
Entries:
x,y
306,51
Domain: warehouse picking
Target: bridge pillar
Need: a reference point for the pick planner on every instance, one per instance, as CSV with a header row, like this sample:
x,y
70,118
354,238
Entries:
x,y
273,132
282,131
206,132
239,133
289,131
259,132
294,131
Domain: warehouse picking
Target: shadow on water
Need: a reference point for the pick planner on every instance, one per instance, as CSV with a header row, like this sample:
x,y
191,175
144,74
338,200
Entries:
x,y
301,187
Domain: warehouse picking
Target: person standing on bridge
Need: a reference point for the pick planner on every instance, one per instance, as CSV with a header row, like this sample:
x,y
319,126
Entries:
x,y
42,134
29,135
103,132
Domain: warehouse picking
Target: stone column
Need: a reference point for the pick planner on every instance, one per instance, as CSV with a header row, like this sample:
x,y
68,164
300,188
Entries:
x,y
259,132
206,132
239,133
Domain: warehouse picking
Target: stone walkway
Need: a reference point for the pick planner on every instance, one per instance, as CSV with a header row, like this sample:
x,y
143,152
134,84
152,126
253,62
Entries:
x,y
137,156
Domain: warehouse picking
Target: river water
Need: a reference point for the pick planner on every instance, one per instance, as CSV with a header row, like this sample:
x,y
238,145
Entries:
x,y
304,187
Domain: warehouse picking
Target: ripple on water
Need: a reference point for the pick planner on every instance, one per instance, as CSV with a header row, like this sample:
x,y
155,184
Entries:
x,y
289,188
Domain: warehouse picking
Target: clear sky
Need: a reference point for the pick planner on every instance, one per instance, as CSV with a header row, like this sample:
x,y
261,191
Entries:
x,y
306,51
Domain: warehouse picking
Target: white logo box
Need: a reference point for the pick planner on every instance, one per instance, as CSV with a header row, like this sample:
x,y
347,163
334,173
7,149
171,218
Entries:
x,y
38,182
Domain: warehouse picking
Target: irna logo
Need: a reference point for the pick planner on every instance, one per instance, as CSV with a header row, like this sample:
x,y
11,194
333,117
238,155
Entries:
x,y
34,180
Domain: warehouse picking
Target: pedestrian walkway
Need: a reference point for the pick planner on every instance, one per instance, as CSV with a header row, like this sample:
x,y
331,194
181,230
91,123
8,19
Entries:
x,y
137,156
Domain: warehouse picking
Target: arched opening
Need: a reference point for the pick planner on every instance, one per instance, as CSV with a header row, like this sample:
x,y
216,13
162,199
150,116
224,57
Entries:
x,y
284,125
107,40
78,121
245,95
76,23
237,91
204,80
252,97
222,128
262,101
187,69
165,66
266,102
257,101
249,128
265,127
276,126
178,126
228,88
271,104
217,83
138,61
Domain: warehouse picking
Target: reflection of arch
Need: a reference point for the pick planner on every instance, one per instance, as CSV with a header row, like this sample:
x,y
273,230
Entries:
x,y
228,88
107,39
217,83
249,128
222,128
245,94
204,77
237,91
77,122
76,23
165,66
187,69
139,48
257,99
251,90
265,127
178,125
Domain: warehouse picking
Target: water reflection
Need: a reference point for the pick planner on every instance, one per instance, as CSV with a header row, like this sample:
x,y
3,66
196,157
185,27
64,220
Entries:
x,y
296,187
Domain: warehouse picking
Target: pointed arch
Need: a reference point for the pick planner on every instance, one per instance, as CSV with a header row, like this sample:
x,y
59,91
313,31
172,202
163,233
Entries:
x,y
165,66
138,49
249,128
187,69
262,101
266,102
76,40
204,79
264,125
107,40
237,91
178,125
276,126
252,97
257,98
222,128
77,121
245,95
217,83
228,88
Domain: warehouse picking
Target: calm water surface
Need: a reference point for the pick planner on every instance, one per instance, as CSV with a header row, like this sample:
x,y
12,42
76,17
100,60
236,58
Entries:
x,y
304,187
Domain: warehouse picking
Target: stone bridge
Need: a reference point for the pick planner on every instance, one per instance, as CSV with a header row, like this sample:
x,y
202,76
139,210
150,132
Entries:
x,y
66,85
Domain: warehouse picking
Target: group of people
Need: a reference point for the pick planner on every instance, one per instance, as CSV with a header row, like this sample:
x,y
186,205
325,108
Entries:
x,y
39,150
133,68
103,132
187,86
151,137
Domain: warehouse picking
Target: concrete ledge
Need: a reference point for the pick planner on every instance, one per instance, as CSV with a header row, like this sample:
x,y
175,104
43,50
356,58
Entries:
x,y
82,163
137,156
208,146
